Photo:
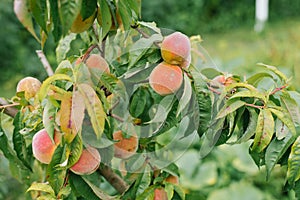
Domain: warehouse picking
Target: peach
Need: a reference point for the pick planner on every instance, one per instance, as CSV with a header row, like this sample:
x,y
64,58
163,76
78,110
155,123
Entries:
x,y
43,147
222,80
125,147
172,179
175,48
79,25
88,162
160,194
166,78
29,85
186,63
95,61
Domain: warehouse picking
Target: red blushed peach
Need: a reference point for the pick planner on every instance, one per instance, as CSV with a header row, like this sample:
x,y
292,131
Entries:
x,y
125,147
29,85
222,80
88,162
43,147
160,194
166,78
95,61
175,48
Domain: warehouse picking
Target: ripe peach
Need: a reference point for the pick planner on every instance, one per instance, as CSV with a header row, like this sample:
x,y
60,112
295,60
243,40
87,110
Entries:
x,y
88,162
186,63
95,61
29,85
125,147
160,194
166,78
79,25
222,80
172,179
175,48
43,147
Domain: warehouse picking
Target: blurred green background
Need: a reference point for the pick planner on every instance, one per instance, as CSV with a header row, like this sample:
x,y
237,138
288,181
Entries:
x,y
227,29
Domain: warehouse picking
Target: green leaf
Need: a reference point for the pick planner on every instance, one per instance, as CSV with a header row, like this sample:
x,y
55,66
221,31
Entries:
x,y
56,170
281,129
249,93
264,130
49,115
291,106
230,107
293,172
41,187
148,193
88,8
211,137
281,114
94,108
140,47
97,191
138,101
39,11
22,11
76,150
251,128
105,20
276,71
68,11
275,151
81,187
46,84
256,78
19,142
64,46
186,96
180,191
57,29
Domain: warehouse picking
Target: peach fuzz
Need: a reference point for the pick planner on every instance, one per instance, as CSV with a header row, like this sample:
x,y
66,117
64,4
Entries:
x,y
125,147
88,162
29,85
175,48
43,147
165,78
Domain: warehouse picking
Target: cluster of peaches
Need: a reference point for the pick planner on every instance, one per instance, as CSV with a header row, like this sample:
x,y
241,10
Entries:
x,y
166,78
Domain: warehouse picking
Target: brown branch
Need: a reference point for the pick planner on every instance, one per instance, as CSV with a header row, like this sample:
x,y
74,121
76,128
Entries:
x,y
254,106
115,180
45,62
8,109
88,51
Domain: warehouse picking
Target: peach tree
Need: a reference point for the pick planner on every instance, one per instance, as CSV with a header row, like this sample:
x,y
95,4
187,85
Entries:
x,y
126,99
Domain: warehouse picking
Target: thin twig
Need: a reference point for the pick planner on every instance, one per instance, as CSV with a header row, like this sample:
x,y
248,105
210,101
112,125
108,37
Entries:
x,y
9,110
88,52
45,62
254,106
145,35
278,89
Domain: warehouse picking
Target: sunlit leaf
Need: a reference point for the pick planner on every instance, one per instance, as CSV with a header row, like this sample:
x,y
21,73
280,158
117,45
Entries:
x,y
264,130
77,112
49,114
249,93
22,11
230,107
276,71
292,107
97,191
256,78
41,187
275,151
66,122
46,84
94,108
293,172
76,150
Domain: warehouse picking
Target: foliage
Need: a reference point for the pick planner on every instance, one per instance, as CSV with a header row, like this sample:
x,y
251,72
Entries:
x,y
76,102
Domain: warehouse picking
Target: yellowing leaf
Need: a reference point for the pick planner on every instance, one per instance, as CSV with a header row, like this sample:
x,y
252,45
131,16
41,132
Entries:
x,y
94,108
264,130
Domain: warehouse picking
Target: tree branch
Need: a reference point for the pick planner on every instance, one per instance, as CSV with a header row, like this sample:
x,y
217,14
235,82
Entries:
x,y
115,180
9,110
45,62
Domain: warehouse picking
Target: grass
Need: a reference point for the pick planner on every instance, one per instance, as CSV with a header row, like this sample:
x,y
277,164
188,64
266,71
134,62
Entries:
x,y
240,50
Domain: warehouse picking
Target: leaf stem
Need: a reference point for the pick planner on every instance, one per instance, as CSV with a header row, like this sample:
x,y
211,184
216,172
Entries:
x,y
278,89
